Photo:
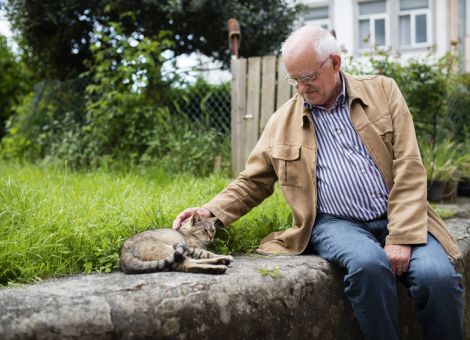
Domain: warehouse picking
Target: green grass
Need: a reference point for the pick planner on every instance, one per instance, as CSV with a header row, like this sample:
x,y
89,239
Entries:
x,y
56,222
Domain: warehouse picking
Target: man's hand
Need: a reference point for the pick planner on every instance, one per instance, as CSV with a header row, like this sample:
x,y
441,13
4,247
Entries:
x,y
187,213
399,257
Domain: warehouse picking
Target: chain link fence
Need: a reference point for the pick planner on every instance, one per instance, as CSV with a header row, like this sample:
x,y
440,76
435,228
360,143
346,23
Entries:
x,y
210,105
207,104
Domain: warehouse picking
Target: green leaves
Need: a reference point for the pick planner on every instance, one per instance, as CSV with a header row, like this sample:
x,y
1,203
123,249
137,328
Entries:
x,y
13,83
440,160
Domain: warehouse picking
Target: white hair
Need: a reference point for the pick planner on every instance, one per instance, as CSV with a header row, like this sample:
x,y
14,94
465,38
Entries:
x,y
322,42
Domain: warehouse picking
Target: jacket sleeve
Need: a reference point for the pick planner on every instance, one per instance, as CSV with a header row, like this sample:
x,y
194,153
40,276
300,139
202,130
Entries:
x,y
407,213
252,186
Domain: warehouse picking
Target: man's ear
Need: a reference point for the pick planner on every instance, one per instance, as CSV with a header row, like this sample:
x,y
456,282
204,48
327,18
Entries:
x,y
335,61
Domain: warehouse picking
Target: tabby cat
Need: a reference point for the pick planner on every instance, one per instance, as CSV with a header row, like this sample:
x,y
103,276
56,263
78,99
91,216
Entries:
x,y
174,250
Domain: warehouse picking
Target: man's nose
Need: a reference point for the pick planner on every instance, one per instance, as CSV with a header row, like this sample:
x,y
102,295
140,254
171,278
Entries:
x,y
301,86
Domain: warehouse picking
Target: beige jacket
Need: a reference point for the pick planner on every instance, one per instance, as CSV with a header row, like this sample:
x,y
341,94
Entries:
x,y
286,152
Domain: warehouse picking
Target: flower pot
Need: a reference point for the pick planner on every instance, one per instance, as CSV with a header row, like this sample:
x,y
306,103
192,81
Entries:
x,y
450,192
464,187
436,191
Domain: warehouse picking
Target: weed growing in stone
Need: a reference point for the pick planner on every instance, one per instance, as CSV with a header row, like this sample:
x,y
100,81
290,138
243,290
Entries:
x,y
271,272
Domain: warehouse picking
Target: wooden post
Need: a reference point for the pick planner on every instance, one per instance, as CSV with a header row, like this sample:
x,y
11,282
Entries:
x,y
251,119
268,91
238,68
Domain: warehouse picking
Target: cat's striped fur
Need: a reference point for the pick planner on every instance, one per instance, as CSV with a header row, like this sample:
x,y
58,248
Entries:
x,y
170,250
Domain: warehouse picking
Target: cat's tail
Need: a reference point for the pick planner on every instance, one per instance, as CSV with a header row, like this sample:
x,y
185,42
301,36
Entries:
x,y
134,265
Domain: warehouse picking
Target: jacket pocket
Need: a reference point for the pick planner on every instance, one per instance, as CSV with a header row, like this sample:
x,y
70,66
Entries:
x,y
287,164
384,128
383,125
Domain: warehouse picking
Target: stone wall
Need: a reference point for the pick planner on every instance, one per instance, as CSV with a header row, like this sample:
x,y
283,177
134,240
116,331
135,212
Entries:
x,y
283,297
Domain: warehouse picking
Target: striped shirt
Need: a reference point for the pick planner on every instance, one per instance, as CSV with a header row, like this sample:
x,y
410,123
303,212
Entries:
x,y
348,180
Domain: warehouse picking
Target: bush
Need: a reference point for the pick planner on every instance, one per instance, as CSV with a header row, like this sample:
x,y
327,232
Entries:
x,y
13,83
46,122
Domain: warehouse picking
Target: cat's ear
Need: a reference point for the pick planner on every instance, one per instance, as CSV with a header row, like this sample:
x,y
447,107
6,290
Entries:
x,y
195,218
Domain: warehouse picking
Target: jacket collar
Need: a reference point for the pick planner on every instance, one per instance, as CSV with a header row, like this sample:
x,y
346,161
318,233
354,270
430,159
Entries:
x,y
354,90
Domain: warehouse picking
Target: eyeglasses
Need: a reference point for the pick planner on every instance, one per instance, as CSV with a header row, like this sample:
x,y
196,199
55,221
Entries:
x,y
306,78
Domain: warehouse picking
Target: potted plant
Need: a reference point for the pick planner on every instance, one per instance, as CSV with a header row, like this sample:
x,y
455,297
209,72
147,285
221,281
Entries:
x,y
440,162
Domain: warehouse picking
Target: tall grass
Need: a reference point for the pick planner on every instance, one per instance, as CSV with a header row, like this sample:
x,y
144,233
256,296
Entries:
x,y
56,222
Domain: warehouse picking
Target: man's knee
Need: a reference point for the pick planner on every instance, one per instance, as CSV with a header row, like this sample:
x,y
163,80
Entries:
x,y
374,267
431,278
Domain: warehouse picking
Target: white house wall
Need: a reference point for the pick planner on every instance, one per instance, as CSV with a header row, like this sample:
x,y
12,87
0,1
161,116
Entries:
x,y
443,28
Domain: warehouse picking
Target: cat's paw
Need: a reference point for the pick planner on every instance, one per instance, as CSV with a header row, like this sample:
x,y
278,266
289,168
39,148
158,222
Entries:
x,y
223,260
219,270
227,260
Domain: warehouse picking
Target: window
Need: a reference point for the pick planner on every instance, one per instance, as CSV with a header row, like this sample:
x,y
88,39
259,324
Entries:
x,y
373,24
413,21
317,16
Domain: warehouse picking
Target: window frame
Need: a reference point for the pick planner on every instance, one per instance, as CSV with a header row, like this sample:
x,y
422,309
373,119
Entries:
x,y
372,18
319,22
413,13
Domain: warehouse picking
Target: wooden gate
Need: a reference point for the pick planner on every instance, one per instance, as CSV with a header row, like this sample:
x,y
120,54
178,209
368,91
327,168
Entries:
x,y
258,89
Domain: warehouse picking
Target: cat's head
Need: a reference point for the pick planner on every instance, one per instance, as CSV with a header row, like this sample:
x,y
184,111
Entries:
x,y
199,231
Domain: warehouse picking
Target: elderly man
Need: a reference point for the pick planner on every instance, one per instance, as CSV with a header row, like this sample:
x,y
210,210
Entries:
x,y
345,154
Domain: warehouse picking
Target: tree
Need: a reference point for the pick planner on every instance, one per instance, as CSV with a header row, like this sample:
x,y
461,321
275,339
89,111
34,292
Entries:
x,y
57,35
54,35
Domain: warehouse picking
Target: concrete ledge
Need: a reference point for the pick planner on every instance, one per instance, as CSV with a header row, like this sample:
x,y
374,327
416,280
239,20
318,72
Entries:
x,y
297,297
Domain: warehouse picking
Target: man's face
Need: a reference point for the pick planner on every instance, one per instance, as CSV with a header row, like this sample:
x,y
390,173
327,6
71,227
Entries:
x,y
317,80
